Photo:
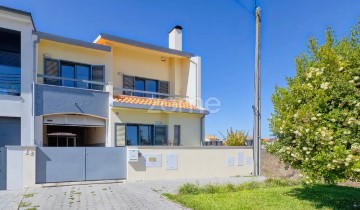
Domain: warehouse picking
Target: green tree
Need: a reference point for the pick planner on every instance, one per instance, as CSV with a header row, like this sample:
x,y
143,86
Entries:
x,y
235,138
316,116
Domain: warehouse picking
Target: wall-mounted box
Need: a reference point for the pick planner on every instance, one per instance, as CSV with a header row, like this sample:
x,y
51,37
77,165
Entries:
x,y
133,155
171,162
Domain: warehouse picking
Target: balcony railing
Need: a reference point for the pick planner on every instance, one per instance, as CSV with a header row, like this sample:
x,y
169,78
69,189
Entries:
x,y
85,84
10,80
147,94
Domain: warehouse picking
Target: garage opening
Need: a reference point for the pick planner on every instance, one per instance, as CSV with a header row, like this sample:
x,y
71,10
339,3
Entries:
x,y
73,131
74,136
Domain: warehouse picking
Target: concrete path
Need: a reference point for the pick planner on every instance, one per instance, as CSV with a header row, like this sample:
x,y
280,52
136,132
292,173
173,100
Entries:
x,y
127,195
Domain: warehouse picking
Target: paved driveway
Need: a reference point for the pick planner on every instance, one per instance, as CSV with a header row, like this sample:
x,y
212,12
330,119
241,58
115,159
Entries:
x,y
104,195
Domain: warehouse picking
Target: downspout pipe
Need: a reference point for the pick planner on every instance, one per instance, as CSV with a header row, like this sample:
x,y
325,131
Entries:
x,y
35,42
202,130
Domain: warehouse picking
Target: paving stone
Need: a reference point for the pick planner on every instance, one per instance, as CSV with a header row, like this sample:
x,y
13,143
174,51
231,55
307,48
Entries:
x,y
127,195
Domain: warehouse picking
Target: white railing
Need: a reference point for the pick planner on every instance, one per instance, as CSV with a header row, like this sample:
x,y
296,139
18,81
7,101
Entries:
x,y
91,84
147,94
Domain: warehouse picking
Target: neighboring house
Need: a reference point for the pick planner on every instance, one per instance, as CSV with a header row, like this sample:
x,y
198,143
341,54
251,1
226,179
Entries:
x,y
72,110
211,138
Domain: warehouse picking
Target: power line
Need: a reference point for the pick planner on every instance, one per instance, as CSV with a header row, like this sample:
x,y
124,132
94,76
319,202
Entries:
x,y
244,7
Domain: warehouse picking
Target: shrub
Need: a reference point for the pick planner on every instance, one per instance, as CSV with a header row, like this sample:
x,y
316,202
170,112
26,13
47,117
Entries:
x,y
316,116
235,138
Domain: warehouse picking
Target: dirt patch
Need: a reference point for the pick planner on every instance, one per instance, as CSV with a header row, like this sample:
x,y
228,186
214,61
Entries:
x,y
272,167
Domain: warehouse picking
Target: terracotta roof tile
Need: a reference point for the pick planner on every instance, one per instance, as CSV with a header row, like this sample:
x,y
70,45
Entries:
x,y
173,103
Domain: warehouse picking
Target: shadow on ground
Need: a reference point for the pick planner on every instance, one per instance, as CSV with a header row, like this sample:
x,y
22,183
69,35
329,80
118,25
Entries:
x,y
329,196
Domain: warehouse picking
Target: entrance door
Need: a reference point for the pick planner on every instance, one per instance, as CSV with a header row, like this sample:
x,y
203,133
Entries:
x,y
161,135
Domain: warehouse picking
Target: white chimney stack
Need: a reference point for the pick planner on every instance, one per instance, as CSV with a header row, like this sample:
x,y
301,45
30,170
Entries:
x,y
175,38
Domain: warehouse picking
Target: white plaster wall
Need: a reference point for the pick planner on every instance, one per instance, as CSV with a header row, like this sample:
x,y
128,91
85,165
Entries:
x,y
14,168
17,106
193,90
193,162
20,167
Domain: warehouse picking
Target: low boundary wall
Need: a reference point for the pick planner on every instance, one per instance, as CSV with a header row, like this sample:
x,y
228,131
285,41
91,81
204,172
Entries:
x,y
190,162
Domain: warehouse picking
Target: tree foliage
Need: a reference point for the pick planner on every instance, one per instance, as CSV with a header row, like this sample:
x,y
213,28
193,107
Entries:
x,y
235,138
316,116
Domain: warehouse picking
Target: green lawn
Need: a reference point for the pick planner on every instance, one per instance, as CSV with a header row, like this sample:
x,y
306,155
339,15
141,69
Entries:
x,y
265,196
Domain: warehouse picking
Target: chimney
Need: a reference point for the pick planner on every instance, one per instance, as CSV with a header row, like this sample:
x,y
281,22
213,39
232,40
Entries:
x,y
175,38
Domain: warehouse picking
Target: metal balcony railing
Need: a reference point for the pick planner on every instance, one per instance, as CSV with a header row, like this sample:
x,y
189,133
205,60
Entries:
x,y
70,82
147,94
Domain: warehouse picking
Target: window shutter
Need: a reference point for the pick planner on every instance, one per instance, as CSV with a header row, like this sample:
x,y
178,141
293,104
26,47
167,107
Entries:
x,y
163,88
128,83
52,69
120,135
97,75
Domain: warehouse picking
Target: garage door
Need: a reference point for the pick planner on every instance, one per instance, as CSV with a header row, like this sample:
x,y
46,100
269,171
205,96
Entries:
x,y
9,131
63,164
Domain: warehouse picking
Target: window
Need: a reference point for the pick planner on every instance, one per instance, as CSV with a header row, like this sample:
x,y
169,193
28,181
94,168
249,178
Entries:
x,y
137,134
10,62
73,70
177,135
160,135
119,135
144,84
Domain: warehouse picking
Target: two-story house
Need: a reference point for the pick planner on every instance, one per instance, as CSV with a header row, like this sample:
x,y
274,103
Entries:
x,y
114,108
116,92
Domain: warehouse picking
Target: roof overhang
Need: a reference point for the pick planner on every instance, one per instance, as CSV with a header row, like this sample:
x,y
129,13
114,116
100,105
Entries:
x,y
70,41
107,37
19,12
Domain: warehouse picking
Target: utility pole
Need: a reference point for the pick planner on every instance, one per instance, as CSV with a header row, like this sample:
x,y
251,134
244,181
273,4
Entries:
x,y
257,116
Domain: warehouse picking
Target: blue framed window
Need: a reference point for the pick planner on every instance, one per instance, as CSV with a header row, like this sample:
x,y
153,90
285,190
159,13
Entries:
x,y
139,134
10,62
145,84
72,70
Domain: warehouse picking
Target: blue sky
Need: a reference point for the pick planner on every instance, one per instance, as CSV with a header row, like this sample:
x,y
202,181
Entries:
x,y
220,31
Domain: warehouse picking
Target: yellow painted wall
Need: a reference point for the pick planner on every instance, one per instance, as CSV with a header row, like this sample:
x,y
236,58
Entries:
x,y
190,123
190,129
137,62
73,53
193,162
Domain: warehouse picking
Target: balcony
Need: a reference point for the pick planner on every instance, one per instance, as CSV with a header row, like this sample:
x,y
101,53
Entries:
x,y
137,99
82,97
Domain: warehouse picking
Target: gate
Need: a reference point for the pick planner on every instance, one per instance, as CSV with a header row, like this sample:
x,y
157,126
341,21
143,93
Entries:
x,y
63,164
2,168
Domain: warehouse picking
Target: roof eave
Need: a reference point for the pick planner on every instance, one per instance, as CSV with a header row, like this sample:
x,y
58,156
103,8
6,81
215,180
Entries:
x,y
70,41
143,45
20,12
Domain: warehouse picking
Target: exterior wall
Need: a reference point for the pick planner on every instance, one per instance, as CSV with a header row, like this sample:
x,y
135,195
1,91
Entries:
x,y
96,136
193,162
138,62
75,54
51,99
190,128
21,106
190,123
20,164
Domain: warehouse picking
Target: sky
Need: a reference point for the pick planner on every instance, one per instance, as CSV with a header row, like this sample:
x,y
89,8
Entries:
x,y
222,32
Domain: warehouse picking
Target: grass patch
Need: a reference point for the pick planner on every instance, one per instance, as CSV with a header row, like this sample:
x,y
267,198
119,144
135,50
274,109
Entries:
x,y
24,204
271,194
195,189
29,195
